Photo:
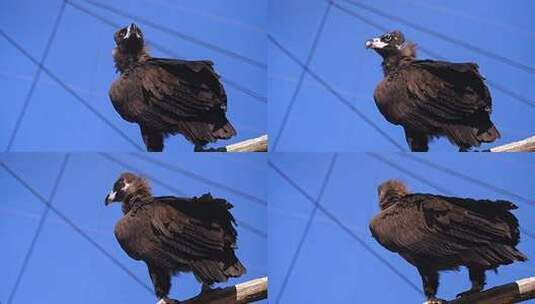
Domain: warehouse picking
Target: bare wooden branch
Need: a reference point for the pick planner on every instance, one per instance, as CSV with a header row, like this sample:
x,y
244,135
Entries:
x,y
246,292
526,145
516,292
259,144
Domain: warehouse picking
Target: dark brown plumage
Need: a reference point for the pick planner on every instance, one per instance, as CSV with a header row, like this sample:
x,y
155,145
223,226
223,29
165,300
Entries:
x,y
432,98
167,96
172,234
436,233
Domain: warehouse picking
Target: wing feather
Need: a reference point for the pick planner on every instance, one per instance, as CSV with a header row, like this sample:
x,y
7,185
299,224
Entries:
x,y
445,91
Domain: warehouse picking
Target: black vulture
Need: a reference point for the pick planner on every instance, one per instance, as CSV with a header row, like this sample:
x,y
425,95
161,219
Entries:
x,y
431,98
436,233
172,234
167,96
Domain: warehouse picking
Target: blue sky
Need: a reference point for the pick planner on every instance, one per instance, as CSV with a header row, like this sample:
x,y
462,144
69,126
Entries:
x,y
320,122
332,266
80,56
64,265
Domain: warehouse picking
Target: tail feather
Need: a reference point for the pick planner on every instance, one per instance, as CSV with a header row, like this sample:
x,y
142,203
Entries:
x,y
215,272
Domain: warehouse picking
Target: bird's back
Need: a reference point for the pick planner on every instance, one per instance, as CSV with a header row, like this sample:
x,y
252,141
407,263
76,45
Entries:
x,y
449,231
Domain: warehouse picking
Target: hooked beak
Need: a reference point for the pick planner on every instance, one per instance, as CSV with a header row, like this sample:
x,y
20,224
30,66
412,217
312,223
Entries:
x,y
375,43
110,198
131,29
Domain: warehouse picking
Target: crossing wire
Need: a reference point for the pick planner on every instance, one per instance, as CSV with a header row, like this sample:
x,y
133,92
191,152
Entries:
x,y
180,35
339,96
36,77
40,226
302,76
165,50
346,229
444,37
201,178
470,179
307,228
68,89
435,55
75,227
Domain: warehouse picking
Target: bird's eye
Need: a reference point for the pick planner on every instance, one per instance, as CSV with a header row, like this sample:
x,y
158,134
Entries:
x,y
387,38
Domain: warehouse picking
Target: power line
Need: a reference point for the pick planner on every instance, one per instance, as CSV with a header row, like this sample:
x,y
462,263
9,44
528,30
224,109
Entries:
x,y
455,41
165,50
427,182
470,179
346,229
180,35
206,14
463,14
40,226
435,55
244,90
75,227
344,101
302,76
175,190
71,91
201,178
151,177
36,77
307,228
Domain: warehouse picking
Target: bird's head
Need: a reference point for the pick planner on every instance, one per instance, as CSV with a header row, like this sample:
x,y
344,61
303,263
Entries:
x,y
129,39
391,189
388,44
127,185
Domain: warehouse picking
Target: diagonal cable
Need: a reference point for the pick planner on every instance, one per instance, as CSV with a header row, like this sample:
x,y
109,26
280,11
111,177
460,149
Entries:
x,y
346,229
36,77
339,96
469,179
492,84
77,97
302,76
444,37
201,178
165,50
307,228
40,226
75,227
180,35
175,190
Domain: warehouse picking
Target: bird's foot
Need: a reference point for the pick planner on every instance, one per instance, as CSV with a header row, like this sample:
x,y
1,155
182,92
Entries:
x,y
434,301
166,300
467,293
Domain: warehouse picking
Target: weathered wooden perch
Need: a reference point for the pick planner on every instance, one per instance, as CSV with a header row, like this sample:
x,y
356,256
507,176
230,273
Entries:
x,y
247,292
259,144
515,292
526,145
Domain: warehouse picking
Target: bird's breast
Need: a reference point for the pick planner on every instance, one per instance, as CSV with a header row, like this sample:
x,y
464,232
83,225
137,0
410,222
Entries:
x,y
127,97
389,97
